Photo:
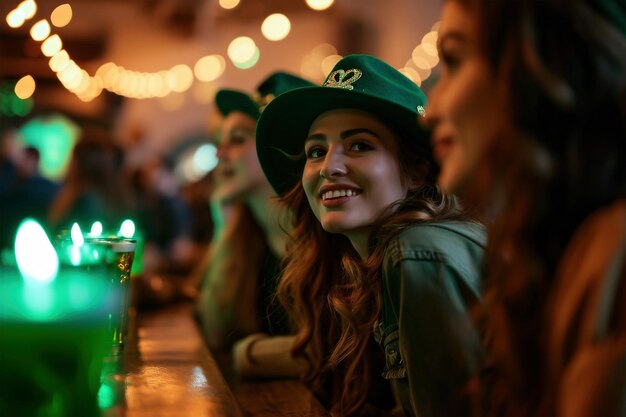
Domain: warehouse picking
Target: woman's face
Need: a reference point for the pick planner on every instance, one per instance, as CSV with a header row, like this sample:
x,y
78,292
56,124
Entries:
x,y
352,173
238,173
466,107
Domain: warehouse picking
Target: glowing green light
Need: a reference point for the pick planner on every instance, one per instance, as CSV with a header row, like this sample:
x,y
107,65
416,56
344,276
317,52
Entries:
x,y
106,396
127,229
77,235
96,229
75,256
10,104
36,258
54,137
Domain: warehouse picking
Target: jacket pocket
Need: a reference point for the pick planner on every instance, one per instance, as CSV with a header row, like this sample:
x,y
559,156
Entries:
x,y
394,364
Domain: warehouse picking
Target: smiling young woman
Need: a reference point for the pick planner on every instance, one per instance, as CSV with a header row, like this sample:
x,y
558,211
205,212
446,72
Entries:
x,y
378,253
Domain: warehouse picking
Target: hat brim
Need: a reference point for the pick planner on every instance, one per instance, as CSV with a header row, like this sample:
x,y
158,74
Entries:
x,y
228,101
285,124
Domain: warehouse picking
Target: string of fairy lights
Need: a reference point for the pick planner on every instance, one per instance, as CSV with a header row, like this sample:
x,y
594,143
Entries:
x,y
242,52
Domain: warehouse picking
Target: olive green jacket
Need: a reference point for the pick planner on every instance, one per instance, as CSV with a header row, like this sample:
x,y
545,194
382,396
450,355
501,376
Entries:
x,y
431,279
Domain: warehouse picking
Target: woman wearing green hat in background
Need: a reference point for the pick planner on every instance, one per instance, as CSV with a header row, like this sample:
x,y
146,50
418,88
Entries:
x,y
377,250
236,304
533,96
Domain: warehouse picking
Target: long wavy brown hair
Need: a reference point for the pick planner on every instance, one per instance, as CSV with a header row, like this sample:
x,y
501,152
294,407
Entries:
x,y
333,296
563,64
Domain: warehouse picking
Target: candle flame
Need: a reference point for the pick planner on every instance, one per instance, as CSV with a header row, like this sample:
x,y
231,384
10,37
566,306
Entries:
x,y
96,229
127,229
36,258
77,235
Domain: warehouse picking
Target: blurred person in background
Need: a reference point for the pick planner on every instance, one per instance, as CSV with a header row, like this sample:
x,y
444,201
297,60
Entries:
x,y
533,96
164,219
24,191
236,305
94,187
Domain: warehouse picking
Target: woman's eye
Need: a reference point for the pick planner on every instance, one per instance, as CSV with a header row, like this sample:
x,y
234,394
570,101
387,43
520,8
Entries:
x,y
314,153
450,61
236,140
450,53
360,146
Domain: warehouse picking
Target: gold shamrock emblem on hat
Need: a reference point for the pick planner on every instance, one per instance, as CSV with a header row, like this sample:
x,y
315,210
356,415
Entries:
x,y
343,79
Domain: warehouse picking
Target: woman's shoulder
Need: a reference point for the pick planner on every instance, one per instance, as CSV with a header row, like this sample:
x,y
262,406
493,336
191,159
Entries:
x,y
594,243
581,278
441,236
459,243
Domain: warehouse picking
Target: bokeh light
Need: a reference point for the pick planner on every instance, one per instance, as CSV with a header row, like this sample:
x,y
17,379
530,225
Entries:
x,y
319,4
250,62
59,61
276,27
40,30
229,4
61,16
241,49
25,87
51,46
15,18
28,8
209,68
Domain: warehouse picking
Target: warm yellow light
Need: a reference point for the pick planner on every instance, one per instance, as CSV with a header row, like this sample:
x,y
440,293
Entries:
x,y
15,18
421,58
28,8
430,49
155,84
40,30
209,68
241,49
181,78
430,37
93,90
319,4
250,62
424,73
52,45
59,61
25,87
129,83
276,27
69,72
121,81
74,83
108,72
61,16
80,84
412,75
165,88
329,62
229,4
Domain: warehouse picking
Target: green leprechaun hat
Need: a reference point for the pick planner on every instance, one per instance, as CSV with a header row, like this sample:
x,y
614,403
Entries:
x,y
358,82
277,83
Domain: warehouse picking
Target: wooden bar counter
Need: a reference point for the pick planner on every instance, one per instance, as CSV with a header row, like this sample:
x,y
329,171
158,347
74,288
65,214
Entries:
x,y
166,370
